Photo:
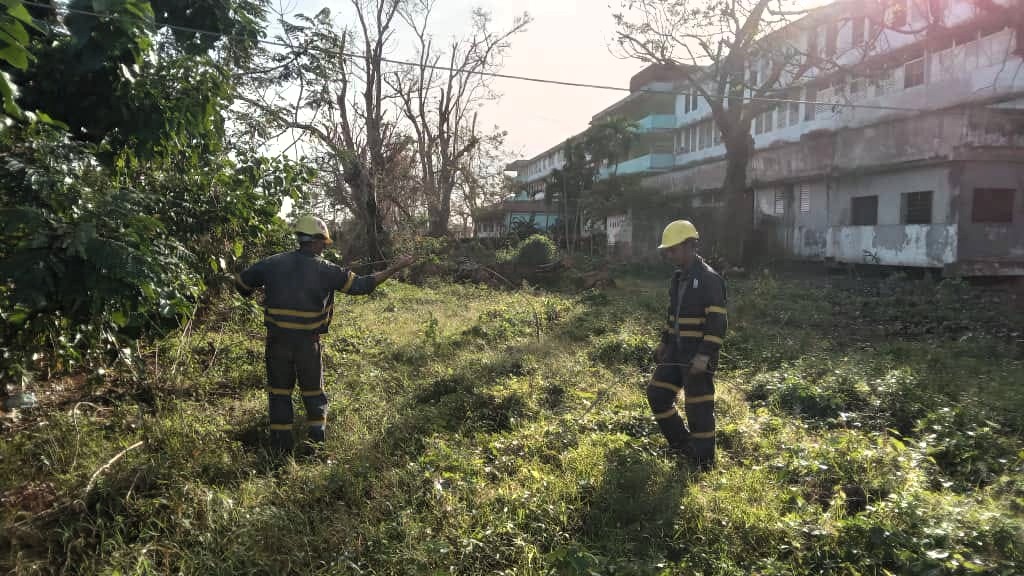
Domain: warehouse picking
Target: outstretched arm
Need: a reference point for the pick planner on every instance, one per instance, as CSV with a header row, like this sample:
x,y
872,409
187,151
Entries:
x,y
357,285
400,263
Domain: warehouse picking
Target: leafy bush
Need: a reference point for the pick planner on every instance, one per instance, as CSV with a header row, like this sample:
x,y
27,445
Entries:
x,y
535,250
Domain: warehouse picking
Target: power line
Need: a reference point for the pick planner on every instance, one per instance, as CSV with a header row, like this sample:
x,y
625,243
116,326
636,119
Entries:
x,y
760,99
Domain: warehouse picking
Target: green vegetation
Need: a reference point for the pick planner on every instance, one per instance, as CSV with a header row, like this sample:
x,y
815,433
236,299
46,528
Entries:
x,y
862,431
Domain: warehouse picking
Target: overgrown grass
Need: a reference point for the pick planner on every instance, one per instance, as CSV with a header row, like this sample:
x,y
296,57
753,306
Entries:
x,y
863,430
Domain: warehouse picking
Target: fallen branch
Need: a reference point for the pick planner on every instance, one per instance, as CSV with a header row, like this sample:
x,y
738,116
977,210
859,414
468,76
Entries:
x,y
105,467
507,281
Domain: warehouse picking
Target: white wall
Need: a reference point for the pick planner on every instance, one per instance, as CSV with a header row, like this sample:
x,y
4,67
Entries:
x,y
976,71
930,246
889,187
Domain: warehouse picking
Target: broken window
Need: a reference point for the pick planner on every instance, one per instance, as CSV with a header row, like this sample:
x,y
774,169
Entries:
x,y
913,73
917,207
864,211
805,198
993,205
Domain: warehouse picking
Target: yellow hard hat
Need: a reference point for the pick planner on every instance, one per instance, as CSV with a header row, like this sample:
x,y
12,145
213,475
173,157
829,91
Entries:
x,y
313,226
678,232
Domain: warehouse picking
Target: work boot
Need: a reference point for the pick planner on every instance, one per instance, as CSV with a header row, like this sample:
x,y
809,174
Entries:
x,y
313,451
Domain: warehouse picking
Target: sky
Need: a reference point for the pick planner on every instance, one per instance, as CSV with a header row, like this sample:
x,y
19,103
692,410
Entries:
x,y
568,40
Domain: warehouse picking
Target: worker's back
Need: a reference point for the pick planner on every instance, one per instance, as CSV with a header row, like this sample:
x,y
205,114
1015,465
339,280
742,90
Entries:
x,y
299,290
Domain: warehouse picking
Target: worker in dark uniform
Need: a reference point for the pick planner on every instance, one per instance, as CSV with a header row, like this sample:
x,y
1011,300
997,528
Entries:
x,y
688,353
298,302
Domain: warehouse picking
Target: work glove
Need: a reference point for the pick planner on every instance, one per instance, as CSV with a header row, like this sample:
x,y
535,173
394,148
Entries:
x,y
699,364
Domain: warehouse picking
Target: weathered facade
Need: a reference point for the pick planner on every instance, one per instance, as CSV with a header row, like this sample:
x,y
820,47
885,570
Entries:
x,y
911,153
929,172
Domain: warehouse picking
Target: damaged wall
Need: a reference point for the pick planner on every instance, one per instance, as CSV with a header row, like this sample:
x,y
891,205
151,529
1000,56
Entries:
x,y
896,245
993,241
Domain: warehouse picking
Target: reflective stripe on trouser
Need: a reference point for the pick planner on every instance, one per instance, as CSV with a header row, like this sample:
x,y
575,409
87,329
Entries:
x,y
290,357
699,395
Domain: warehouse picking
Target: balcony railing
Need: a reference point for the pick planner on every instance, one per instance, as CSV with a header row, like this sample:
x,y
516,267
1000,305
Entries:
x,y
656,122
646,163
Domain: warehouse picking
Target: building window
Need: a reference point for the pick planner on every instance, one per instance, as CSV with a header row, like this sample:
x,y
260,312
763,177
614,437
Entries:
x,y
858,31
794,108
916,207
759,124
874,32
780,116
805,198
809,108
812,43
707,129
856,86
993,205
831,35
913,73
864,211
716,134
883,82
780,202
690,103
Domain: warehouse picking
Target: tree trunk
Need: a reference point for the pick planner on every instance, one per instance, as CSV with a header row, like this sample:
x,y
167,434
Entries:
x,y
437,223
733,221
373,228
565,219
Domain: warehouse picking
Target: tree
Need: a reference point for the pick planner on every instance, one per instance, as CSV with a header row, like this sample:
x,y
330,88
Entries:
x,y
441,105
716,47
329,85
482,180
116,226
579,184
15,25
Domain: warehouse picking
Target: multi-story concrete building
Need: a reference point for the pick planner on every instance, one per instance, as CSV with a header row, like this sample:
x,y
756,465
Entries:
x,y
910,152
527,204
927,170
651,108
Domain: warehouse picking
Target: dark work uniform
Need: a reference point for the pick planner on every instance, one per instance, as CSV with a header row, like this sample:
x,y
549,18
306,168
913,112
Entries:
x,y
298,305
696,324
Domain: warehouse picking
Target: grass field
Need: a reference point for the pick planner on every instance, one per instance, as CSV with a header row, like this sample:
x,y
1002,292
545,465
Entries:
x,y
870,429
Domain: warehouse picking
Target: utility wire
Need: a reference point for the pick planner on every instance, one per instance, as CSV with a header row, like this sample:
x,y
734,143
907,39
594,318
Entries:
x,y
761,99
